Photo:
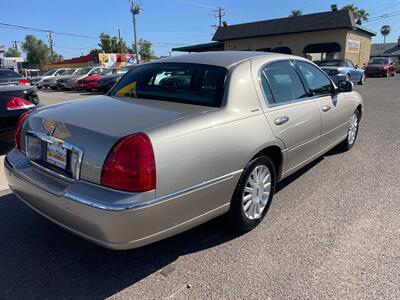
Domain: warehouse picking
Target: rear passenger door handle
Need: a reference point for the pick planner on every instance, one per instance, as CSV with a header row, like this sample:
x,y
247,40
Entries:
x,y
281,120
326,108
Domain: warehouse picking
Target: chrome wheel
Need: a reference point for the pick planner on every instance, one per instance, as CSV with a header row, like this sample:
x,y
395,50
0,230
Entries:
x,y
352,133
256,192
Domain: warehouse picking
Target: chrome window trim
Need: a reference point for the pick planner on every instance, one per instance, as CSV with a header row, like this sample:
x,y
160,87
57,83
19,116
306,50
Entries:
x,y
122,207
52,140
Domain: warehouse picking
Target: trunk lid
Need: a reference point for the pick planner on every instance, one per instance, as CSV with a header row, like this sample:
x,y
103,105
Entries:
x,y
96,124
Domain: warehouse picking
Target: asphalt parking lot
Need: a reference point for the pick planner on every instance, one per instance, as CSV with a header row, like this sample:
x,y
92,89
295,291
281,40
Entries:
x,y
332,232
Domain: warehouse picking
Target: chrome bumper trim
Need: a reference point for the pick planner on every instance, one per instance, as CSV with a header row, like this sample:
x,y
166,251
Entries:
x,y
121,207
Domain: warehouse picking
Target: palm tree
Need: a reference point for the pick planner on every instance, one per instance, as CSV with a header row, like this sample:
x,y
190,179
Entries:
x,y
385,30
296,13
358,13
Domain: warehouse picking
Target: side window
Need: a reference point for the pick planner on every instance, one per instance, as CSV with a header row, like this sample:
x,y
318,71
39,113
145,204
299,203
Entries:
x,y
94,71
284,82
317,81
350,64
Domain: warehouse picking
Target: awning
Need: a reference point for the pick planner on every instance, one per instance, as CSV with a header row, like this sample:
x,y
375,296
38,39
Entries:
x,y
283,50
322,48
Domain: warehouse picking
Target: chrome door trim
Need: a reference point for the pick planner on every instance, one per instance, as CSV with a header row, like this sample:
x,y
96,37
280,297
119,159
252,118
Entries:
x,y
122,207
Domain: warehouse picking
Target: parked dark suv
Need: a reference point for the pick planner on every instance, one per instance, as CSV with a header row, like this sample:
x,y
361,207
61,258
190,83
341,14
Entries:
x,y
381,66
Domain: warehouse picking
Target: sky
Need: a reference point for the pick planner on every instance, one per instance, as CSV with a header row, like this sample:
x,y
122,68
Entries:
x,y
166,23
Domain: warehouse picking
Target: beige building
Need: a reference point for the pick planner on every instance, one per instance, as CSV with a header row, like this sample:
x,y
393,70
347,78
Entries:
x,y
325,35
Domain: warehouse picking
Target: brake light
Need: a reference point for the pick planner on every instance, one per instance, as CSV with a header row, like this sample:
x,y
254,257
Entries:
x,y
130,165
18,103
18,129
24,82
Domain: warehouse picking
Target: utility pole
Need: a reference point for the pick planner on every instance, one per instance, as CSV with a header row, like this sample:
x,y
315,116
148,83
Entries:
x,y
136,8
15,45
51,42
119,39
219,13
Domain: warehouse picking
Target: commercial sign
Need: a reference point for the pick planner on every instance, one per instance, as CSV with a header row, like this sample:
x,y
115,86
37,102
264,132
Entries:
x,y
353,46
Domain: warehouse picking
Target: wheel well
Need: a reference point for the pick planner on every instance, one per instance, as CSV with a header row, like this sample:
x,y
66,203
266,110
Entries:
x,y
275,153
359,108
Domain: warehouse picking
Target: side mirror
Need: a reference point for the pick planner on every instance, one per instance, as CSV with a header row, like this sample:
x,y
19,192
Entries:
x,y
345,86
356,67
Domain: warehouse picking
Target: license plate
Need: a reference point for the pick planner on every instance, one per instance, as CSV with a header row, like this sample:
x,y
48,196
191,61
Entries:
x,y
57,155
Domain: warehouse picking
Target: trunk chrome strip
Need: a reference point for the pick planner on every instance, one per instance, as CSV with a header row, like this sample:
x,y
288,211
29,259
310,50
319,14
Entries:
x,y
121,207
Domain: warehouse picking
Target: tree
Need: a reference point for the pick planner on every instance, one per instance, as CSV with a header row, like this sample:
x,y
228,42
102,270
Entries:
x,y
358,13
37,52
110,44
385,30
12,52
145,51
295,13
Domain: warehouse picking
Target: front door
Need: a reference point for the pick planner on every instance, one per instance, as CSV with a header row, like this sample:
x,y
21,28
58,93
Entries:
x,y
333,107
292,115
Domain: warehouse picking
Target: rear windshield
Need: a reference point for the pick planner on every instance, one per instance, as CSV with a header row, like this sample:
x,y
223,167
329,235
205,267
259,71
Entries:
x,y
330,63
175,82
9,74
379,61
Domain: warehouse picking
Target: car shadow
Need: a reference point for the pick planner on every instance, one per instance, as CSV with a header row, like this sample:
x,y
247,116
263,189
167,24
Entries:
x,y
39,259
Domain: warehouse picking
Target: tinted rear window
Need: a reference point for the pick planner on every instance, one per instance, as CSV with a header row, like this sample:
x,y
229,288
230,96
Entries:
x,y
175,82
9,74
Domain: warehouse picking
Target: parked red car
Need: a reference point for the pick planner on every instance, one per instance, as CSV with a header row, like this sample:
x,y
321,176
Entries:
x,y
90,82
381,66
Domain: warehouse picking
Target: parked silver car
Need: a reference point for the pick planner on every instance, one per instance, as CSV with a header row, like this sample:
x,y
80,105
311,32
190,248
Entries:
x,y
178,142
342,70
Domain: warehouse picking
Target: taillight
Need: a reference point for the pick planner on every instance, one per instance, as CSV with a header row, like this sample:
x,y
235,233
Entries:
x,y
18,103
24,82
18,129
130,165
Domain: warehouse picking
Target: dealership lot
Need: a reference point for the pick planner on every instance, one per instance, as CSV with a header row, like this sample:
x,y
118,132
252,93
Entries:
x,y
332,232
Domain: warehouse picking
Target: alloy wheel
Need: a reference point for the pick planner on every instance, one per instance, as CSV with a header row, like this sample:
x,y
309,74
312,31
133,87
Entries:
x,y
352,133
256,192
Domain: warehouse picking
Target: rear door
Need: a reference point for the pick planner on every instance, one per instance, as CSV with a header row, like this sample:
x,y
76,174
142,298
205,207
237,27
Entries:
x,y
332,106
292,115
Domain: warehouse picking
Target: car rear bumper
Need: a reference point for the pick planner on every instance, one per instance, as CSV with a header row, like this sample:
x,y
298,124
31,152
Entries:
x,y
114,219
376,72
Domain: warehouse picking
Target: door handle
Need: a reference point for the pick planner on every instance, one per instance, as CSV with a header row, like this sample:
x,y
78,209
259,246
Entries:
x,y
281,120
326,108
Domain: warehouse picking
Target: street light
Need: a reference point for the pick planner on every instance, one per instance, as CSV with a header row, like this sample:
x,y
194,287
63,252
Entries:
x,y
136,9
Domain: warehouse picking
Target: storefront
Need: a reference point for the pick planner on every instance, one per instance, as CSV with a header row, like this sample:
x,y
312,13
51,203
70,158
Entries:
x,y
325,35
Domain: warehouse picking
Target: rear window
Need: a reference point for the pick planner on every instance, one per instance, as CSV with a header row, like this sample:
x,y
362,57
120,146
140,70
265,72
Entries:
x,y
9,74
174,82
330,63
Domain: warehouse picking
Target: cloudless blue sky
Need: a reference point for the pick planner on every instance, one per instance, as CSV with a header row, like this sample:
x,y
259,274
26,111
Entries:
x,y
167,23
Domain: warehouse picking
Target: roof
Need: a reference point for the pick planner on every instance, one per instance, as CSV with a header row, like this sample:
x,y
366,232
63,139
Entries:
x,y
305,23
201,47
219,58
388,49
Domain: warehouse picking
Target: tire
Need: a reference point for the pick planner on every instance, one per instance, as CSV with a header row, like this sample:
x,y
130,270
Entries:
x,y
362,80
39,87
351,137
53,88
240,218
